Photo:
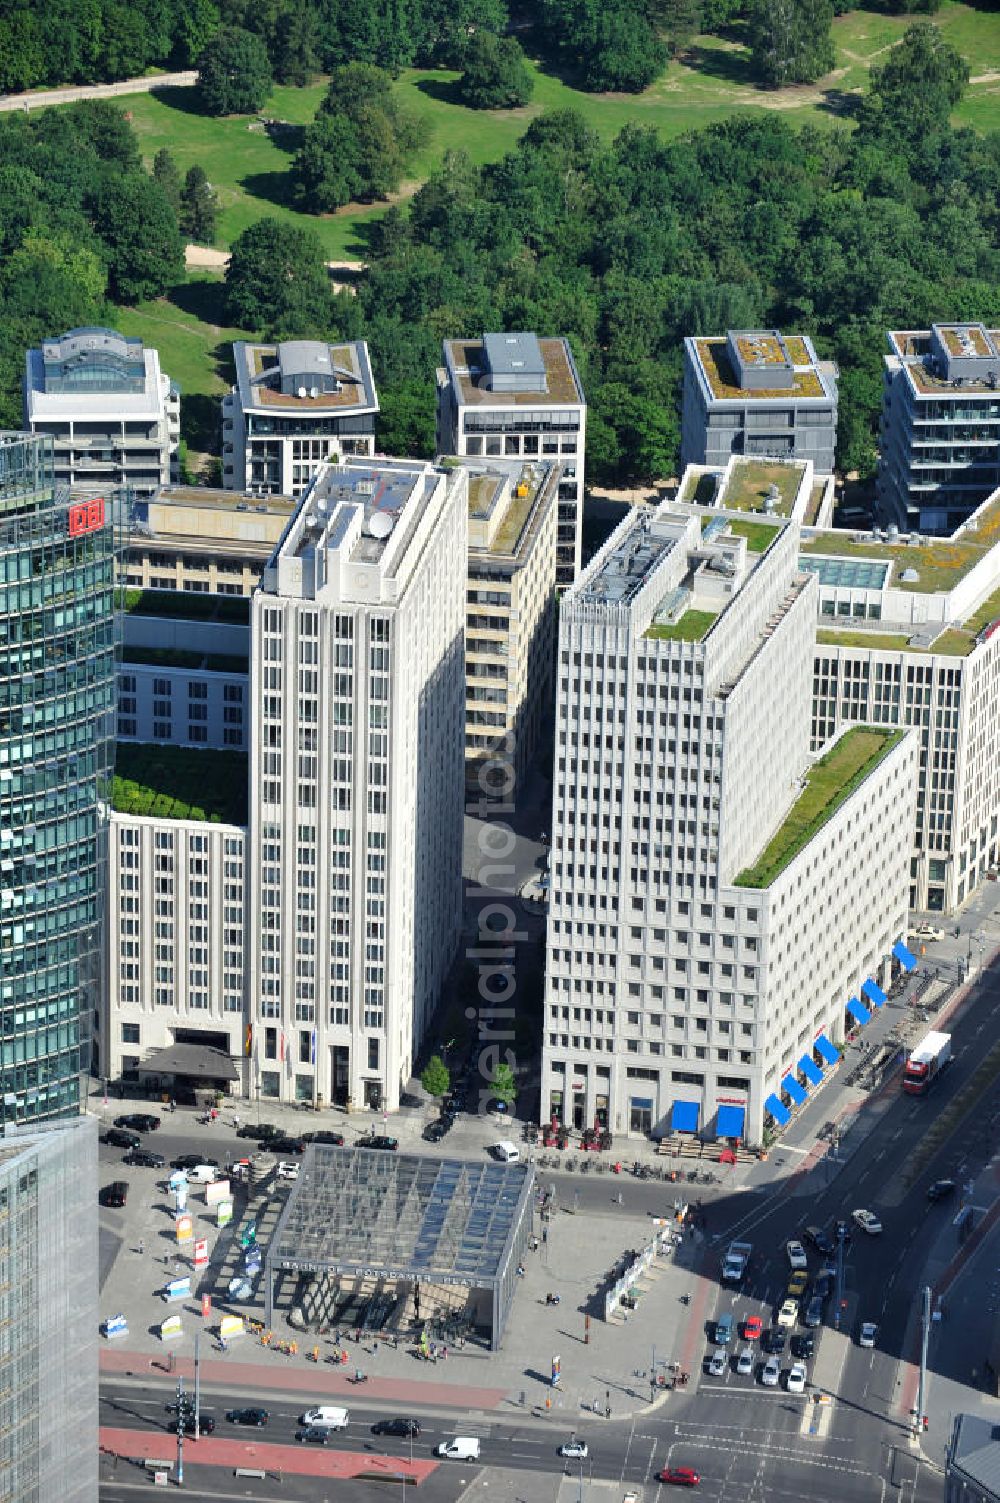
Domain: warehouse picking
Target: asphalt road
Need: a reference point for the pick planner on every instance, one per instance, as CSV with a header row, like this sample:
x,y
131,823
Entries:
x,y
748,1443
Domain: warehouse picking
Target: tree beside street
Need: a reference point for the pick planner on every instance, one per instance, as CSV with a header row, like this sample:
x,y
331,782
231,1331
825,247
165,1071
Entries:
x,y
436,1077
503,1084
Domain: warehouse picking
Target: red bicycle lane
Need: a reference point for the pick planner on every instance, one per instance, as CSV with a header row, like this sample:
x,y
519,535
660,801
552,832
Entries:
x,y
304,1461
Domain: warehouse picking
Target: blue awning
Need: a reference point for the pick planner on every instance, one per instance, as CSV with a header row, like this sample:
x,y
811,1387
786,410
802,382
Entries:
x,y
823,1046
684,1116
811,1070
791,1087
778,1111
858,1011
729,1121
905,957
874,993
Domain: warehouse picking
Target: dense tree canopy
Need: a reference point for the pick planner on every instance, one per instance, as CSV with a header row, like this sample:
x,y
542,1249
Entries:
x,y
79,213
494,73
234,73
358,143
790,40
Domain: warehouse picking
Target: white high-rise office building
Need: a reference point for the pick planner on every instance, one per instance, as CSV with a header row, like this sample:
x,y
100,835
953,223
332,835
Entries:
x,y
356,779
717,895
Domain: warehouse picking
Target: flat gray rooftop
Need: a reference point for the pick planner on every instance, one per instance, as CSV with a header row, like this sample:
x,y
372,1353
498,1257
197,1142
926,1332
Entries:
x,y
622,573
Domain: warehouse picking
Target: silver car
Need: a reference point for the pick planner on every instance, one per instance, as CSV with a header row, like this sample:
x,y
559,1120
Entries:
x,y
771,1375
744,1362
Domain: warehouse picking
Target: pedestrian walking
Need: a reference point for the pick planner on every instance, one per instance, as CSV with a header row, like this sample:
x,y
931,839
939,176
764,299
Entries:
x,y
619,1197
142,1246
545,1234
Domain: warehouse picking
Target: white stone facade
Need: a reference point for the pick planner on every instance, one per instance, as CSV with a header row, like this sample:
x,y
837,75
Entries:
x,y
176,938
356,796
682,736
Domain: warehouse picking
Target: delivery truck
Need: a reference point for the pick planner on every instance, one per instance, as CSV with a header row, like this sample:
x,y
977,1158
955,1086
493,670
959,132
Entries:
x,y
926,1062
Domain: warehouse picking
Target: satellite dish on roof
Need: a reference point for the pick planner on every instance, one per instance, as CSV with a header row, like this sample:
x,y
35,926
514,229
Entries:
x,y
301,391
380,524
314,391
909,576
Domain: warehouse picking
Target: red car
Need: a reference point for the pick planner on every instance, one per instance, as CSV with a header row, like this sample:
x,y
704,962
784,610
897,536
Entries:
x,y
753,1328
681,1476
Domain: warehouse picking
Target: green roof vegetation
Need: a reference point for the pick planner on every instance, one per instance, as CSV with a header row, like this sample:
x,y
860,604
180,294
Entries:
x,y
828,783
750,481
196,605
877,641
813,504
939,563
691,627
701,492
175,657
953,643
759,535
987,612
177,782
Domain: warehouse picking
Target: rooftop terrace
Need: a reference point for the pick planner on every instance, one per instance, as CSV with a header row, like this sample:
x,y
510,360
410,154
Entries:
x,y
828,783
260,372
939,563
176,782
692,626
753,483
468,358
724,381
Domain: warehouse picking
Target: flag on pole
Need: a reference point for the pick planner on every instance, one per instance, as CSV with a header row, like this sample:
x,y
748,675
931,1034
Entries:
x,y
248,1041
312,1050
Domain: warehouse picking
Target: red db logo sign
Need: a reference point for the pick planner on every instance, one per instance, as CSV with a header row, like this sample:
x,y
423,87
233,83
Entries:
x,y
86,516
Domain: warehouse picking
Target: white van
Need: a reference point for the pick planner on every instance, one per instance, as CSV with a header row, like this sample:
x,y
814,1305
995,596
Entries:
x,y
461,1448
506,1152
327,1417
204,1174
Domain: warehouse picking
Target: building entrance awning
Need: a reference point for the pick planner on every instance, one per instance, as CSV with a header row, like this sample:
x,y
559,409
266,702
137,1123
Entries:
x,y
810,1070
906,957
791,1087
824,1048
874,993
858,1011
778,1110
684,1116
192,1061
729,1121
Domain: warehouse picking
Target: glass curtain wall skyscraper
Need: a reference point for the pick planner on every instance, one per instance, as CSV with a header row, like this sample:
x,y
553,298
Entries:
x,y
57,684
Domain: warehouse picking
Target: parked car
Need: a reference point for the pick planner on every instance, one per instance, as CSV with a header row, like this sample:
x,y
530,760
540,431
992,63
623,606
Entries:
x,y
927,932
315,1435
774,1340
115,1194
260,1131
404,1427
256,1417
138,1121
717,1365
680,1476
287,1171
941,1189
142,1158
744,1362
789,1313
804,1346
752,1328
575,1450
435,1131
796,1380
771,1373
118,1137
378,1140
796,1255
797,1284
819,1239
867,1221
814,1312
869,1331
333,1139
286,1145
191,1161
